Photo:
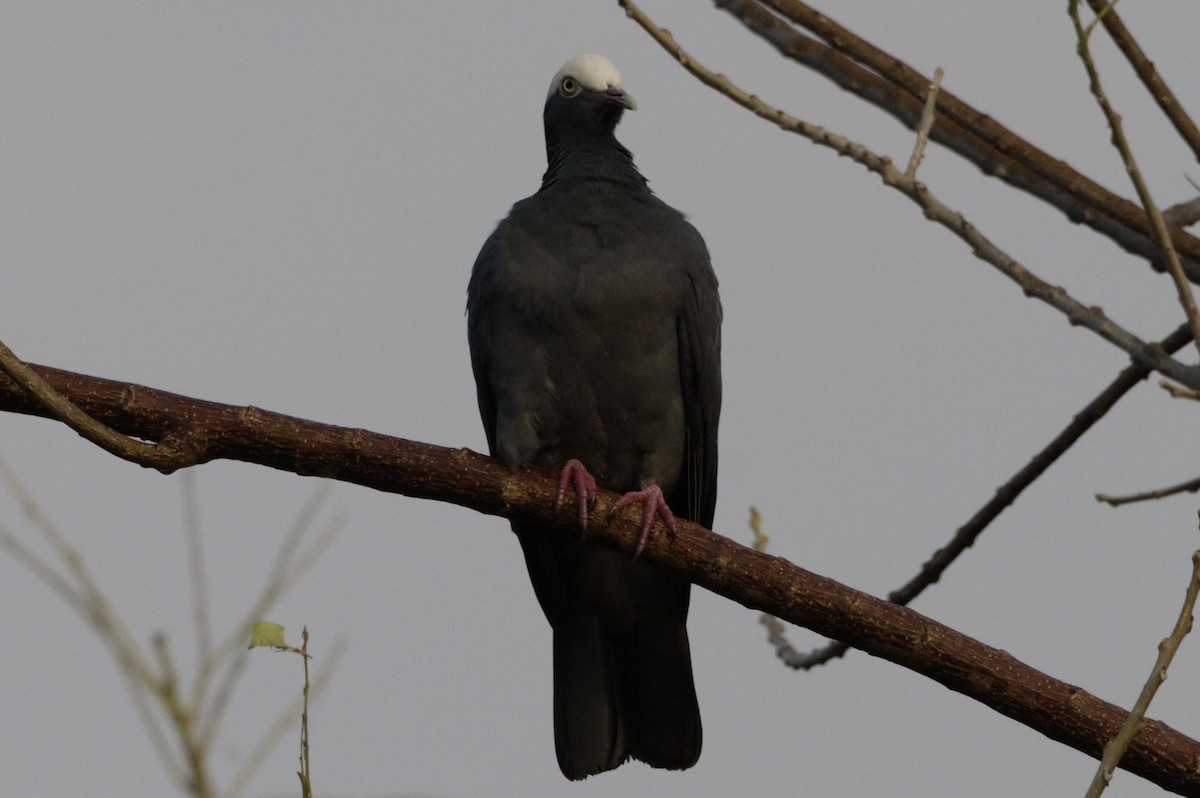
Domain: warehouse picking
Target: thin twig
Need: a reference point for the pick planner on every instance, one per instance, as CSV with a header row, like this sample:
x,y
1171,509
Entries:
x,y
1077,313
1116,748
305,772
183,722
1183,213
1191,486
1006,494
166,456
1158,227
182,729
776,630
1178,392
285,720
1144,67
76,586
895,87
927,117
196,568
292,562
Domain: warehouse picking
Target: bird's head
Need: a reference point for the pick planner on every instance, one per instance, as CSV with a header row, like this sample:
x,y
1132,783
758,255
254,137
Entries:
x,y
586,99
583,106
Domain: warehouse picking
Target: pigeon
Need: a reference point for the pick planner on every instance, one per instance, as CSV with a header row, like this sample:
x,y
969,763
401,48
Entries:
x,y
595,334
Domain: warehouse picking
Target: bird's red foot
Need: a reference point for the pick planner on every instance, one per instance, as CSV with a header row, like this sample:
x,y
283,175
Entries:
x,y
575,474
654,505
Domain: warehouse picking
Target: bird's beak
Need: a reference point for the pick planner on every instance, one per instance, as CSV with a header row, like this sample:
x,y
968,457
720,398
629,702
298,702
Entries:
x,y
619,97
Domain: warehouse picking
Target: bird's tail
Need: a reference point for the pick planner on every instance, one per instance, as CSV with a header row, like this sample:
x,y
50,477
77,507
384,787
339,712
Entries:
x,y
617,696
663,716
589,723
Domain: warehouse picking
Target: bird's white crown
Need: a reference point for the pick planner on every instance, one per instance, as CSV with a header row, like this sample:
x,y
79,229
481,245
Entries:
x,y
594,72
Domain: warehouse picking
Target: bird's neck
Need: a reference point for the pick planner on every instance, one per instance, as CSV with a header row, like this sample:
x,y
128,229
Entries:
x,y
601,158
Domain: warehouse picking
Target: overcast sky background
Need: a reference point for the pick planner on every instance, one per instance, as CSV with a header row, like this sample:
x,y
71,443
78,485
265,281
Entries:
x,y
279,205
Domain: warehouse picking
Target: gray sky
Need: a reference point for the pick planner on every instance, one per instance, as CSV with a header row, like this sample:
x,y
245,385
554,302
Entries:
x,y
279,205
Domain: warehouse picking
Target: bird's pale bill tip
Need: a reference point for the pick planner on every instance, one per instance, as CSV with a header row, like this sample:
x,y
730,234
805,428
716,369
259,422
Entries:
x,y
621,98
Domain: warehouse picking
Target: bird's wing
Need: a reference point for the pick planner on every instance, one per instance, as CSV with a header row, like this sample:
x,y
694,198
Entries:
x,y
699,330
483,276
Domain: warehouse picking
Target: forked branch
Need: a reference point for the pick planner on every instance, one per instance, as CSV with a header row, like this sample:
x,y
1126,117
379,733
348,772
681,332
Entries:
x,y
761,582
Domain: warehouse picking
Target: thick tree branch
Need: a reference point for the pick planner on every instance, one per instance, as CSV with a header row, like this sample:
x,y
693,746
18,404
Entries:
x,y
170,454
761,582
896,88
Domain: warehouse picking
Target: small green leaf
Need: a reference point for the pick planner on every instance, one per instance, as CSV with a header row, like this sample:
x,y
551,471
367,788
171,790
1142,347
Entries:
x,y
266,633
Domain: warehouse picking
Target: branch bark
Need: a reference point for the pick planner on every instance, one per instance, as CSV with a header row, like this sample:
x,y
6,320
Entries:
x,y
893,86
1093,318
1155,85
1162,235
761,582
1006,494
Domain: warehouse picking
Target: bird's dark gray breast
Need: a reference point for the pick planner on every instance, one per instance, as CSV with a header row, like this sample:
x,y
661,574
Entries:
x,y
585,290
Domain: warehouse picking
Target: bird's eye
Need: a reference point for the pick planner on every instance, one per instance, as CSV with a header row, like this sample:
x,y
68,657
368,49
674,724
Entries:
x,y
569,86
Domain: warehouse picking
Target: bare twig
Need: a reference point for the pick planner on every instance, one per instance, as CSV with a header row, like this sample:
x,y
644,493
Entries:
x,y
300,550
1178,392
285,721
889,83
1183,214
74,582
927,117
196,569
181,726
1144,67
1006,494
1117,747
776,631
1158,227
166,456
305,773
1191,486
1092,318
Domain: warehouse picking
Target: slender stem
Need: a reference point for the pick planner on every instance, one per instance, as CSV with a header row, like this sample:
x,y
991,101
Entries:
x,y
1191,486
1006,494
1117,747
927,117
1144,67
198,577
1157,226
1093,318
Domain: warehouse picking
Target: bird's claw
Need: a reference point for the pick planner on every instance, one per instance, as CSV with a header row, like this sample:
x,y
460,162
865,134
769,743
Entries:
x,y
654,505
575,474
